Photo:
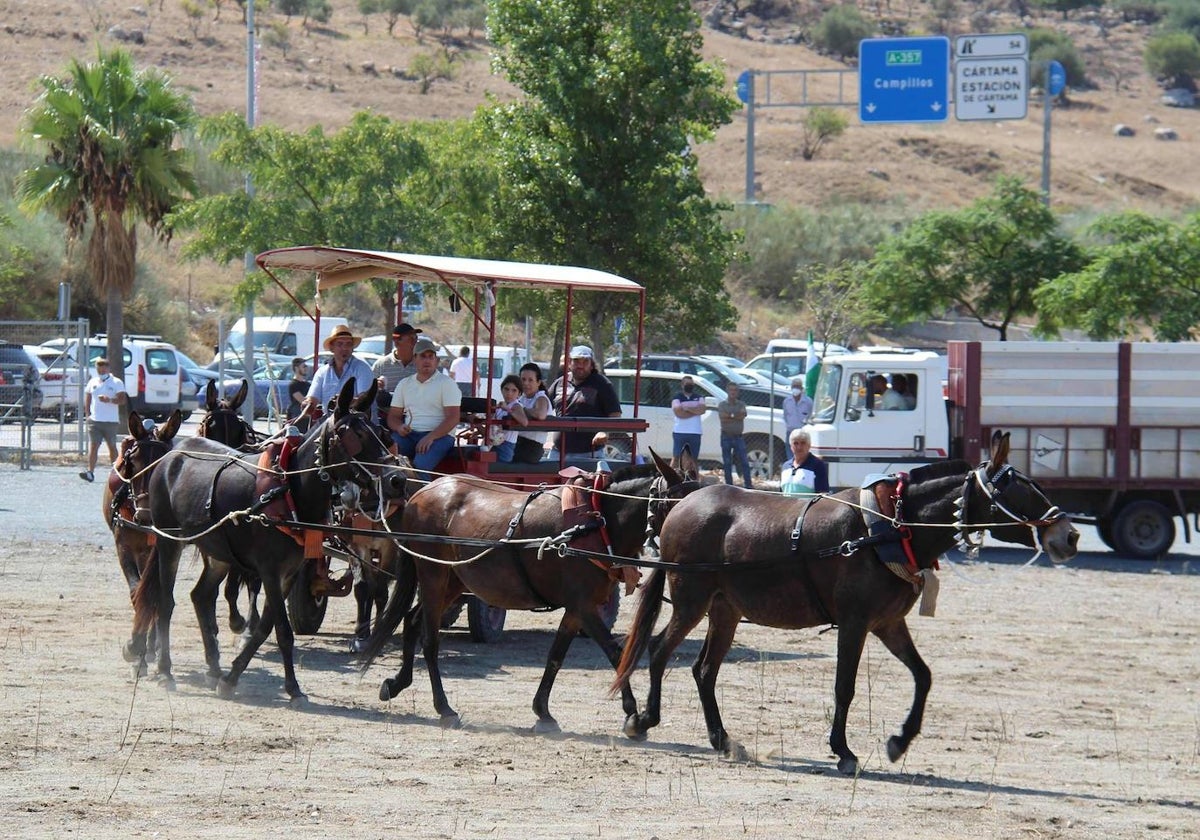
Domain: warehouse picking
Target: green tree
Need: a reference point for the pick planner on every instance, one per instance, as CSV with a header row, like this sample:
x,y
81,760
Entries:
x,y
840,29
819,126
1174,56
597,162
1047,45
374,184
1067,6
110,133
987,260
840,308
1143,271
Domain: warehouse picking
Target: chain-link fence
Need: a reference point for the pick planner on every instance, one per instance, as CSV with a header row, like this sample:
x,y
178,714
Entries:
x,y
41,388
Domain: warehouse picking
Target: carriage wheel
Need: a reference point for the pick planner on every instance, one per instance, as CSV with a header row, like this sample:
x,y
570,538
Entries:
x,y
1144,530
485,622
305,610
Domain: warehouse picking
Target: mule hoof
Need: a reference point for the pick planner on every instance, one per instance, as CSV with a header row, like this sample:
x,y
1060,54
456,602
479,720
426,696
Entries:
x,y
139,670
895,748
210,680
735,751
632,730
167,681
546,726
298,701
451,721
358,645
129,653
848,766
225,689
388,690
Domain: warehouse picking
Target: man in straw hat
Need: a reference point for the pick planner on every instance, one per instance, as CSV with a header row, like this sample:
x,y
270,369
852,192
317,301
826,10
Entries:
x,y
329,379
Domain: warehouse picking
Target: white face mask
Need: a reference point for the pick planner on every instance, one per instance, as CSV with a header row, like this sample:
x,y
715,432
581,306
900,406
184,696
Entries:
x,y
797,392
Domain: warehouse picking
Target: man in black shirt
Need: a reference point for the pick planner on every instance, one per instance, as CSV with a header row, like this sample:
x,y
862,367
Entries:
x,y
585,392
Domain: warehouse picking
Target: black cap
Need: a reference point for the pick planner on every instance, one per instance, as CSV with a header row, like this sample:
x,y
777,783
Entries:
x,y
404,329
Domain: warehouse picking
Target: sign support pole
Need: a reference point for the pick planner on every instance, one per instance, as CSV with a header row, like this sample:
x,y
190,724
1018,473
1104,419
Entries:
x,y
1046,137
750,193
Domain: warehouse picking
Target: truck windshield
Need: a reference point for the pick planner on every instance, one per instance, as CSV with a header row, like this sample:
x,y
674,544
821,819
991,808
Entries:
x,y
825,400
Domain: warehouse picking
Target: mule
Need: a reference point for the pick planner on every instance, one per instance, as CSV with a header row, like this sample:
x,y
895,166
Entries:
x,y
736,559
206,494
127,514
514,577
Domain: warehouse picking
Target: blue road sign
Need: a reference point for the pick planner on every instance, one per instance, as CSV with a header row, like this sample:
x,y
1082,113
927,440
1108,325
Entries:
x,y
902,80
1056,78
744,82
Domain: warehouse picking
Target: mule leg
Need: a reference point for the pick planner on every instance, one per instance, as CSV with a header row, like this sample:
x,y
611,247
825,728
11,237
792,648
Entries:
x,y
134,651
364,598
898,640
568,629
274,615
432,627
722,626
851,637
233,581
403,679
686,613
168,563
204,596
594,626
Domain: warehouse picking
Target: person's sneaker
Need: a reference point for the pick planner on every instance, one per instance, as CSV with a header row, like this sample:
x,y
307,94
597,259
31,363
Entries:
x,y
86,475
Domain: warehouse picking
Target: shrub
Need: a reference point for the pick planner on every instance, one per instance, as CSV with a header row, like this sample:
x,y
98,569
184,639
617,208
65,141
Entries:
x,y
840,29
1046,45
1174,56
820,125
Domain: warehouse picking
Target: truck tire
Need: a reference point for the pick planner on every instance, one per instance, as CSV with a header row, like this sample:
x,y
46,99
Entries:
x,y
1144,530
758,453
1104,531
485,622
305,610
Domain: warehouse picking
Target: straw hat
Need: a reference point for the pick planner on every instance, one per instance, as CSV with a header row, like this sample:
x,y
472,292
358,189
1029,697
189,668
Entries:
x,y
342,331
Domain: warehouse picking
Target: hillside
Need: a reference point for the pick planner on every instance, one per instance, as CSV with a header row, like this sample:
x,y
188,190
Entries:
x,y
331,71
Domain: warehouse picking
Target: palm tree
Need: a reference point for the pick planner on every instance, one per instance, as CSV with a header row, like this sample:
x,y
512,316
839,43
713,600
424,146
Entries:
x,y
110,132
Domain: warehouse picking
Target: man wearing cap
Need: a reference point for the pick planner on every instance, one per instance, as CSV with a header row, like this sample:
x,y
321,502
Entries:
x,y
586,392
424,411
396,365
328,381
103,396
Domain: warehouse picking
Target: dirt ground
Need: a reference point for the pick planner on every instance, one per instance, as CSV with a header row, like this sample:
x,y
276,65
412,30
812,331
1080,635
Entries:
x,y
1064,705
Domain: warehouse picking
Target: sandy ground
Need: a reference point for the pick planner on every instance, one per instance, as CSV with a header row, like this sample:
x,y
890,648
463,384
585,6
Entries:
x,y
1064,705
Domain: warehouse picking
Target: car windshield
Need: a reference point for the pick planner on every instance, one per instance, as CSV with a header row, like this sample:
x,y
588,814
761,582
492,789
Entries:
x,y
828,384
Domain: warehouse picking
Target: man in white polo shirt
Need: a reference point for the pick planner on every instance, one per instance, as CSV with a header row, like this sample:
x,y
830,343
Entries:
x,y
425,409
102,400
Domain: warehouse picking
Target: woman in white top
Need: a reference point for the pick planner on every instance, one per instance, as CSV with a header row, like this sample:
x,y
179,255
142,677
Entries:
x,y
536,405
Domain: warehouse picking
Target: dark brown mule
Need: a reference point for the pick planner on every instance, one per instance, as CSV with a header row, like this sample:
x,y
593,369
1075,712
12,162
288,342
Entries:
x,y
207,494
126,512
512,577
223,423
741,542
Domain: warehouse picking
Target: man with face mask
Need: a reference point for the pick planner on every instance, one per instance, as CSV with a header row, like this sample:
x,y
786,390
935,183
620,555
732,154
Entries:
x,y
796,406
688,407
102,398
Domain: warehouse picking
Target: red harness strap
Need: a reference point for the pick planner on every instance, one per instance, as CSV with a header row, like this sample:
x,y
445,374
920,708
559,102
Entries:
x,y
283,506
905,530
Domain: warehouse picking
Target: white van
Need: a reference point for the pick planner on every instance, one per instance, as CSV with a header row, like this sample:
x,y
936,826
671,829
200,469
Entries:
x,y
507,360
153,378
282,335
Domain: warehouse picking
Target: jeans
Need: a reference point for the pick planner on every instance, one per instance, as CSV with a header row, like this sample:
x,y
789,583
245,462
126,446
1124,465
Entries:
x,y
733,450
681,440
407,446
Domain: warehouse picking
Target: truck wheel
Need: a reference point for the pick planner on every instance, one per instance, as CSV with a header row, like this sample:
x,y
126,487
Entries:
x,y
305,610
758,453
1104,531
1144,530
485,622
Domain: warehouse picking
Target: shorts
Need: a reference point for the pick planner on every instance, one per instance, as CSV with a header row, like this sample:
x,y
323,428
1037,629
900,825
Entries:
x,y
106,432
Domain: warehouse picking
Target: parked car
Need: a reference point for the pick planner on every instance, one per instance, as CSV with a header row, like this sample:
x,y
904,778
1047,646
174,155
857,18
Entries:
x,y
657,388
788,364
60,382
751,392
731,362
152,377
18,371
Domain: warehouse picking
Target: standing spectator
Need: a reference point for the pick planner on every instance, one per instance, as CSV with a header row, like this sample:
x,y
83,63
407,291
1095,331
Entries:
x,y
103,397
688,406
297,388
328,381
463,371
796,407
804,473
536,405
732,412
424,411
585,392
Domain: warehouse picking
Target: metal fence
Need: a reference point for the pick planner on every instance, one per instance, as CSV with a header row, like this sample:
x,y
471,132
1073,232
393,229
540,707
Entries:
x,y
41,391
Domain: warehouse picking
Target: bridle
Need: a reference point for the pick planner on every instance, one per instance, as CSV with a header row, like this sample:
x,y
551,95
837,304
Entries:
x,y
994,489
662,498
340,445
134,479
233,427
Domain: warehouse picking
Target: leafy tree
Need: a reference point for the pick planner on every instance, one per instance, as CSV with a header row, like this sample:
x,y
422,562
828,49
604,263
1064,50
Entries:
x,y
1175,56
110,131
840,29
366,8
394,9
596,160
820,125
1046,45
839,304
279,37
1143,271
987,260
374,184
1067,6
429,67
1139,11
1183,15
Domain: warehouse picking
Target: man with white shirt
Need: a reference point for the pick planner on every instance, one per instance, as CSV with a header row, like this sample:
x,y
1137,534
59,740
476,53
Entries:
x,y
102,400
425,409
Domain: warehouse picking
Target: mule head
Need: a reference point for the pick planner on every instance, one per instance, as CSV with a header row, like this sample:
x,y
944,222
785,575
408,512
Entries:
x,y
997,492
670,486
222,422
354,453
139,453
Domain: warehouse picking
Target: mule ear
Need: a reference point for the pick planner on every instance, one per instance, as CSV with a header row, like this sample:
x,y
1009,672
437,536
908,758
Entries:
x,y
210,396
345,398
169,429
665,469
365,400
1000,446
135,426
689,465
235,402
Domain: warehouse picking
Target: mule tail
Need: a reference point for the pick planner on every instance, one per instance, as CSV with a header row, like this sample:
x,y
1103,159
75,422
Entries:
x,y
145,596
398,606
649,606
